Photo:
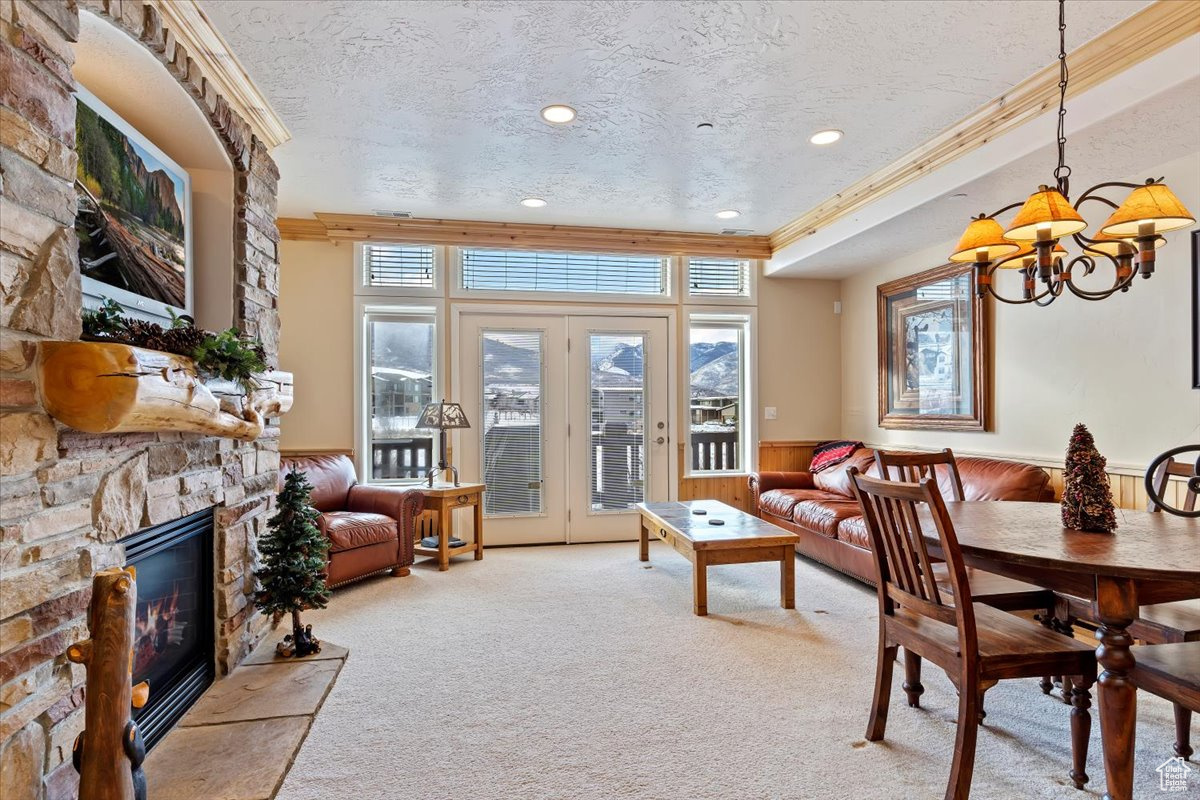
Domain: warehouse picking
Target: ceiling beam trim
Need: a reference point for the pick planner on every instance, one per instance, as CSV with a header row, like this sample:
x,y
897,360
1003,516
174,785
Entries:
x,y
577,238
192,28
1145,34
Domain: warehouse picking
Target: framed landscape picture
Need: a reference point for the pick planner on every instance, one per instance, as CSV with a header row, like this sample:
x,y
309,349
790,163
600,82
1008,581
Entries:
x,y
933,372
134,220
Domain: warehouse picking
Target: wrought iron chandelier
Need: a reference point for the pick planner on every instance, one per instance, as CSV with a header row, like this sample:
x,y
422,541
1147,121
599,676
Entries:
x,y
1128,239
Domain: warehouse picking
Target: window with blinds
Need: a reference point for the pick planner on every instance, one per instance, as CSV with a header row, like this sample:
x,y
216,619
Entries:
x,y
511,423
718,277
530,271
398,266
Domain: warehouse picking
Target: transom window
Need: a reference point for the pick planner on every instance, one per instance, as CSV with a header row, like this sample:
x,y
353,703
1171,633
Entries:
x,y
583,273
718,277
398,266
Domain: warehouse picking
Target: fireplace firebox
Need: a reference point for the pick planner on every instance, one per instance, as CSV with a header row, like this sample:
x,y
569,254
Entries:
x,y
174,645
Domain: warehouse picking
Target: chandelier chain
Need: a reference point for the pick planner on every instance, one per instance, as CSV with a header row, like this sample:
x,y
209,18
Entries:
x,y
1062,172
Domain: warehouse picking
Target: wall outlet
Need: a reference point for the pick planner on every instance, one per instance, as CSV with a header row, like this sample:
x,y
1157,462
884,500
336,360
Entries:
x,y
770,412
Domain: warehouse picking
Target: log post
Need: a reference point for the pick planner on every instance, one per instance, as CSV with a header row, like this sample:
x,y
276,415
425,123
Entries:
x,y
108,753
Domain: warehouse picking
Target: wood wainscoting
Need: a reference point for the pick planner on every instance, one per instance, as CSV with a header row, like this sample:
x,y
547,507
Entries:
x,y
1128,485
732,489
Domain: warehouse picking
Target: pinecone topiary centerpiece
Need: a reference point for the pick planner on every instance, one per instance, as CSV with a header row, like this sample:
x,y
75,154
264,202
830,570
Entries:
x,y
1087,503
295,554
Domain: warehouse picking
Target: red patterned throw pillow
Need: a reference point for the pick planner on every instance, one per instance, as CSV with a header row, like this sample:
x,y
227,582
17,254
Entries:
x,y
827,454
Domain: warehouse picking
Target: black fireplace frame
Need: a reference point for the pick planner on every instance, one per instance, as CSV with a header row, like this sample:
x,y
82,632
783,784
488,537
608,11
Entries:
x,y
169,703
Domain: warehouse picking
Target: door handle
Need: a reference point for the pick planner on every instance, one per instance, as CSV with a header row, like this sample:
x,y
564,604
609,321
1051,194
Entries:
x,y
659,440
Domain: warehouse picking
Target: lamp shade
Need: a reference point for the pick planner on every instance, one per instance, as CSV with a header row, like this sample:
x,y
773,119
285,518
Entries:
x,y
1114,246
442,416
983,236
1026,256
1152,203
1045,210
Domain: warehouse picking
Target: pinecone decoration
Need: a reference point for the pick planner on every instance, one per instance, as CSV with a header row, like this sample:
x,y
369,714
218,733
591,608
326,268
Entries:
x,y
145,334
184,340
1087,503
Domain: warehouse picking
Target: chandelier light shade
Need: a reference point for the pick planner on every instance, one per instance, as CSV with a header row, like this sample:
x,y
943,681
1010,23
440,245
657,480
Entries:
x,y
1114,247
1128,240
1149,209
1026,256
1045,215
983,237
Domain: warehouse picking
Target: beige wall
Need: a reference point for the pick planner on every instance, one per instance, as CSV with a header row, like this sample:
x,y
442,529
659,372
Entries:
x,y
799,359
316,311
1121,366
798,351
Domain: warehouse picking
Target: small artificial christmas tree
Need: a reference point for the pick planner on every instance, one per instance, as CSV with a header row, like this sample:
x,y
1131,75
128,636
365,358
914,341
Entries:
x,y
294,554
1087,503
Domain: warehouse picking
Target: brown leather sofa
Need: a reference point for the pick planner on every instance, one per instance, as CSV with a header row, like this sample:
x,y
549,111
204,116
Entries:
x,y
821,510
370,528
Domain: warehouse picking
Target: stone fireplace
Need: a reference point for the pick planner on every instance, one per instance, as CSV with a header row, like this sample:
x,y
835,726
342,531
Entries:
x,y
174,645
72,503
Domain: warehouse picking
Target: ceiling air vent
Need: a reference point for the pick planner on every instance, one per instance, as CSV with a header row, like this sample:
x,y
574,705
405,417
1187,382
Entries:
x,y
379,212
736,231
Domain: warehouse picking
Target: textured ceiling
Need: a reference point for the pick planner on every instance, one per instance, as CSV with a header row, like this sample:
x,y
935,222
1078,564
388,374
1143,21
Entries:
x,y
432,107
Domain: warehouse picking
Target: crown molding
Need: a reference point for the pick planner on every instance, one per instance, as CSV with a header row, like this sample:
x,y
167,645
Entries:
x,y
579,238
193,29
1145,34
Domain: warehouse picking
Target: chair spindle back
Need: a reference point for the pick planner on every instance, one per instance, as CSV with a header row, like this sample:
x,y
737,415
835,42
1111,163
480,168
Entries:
x,y
1179,469
891,513
916,467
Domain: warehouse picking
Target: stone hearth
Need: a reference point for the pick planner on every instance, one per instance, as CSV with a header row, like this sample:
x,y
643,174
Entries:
x,y
67,497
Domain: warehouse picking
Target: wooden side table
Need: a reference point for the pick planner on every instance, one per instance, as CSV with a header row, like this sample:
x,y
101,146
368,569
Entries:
x,y
444,498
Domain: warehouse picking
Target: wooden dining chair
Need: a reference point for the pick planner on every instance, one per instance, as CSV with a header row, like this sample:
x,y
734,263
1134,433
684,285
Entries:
x,y
975,644
1173,468
1171,671
996,591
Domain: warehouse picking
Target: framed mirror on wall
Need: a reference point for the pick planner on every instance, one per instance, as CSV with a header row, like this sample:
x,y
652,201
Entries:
x,y
933,351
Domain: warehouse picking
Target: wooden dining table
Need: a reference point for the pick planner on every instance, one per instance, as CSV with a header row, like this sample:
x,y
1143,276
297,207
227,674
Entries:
x,y
1150,558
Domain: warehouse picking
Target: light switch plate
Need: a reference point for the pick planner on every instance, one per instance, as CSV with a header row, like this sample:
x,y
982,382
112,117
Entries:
x,y
770,412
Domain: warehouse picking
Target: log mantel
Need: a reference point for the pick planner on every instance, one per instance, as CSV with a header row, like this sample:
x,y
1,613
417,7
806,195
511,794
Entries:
x,y
102,387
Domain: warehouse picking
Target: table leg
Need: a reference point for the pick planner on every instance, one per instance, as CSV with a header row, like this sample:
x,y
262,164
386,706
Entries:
x,y
479,529
444,527
700,585
1116,608
644,543
787,578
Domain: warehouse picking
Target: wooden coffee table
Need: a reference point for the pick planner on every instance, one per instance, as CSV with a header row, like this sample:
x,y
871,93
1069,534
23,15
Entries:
x,y
742,539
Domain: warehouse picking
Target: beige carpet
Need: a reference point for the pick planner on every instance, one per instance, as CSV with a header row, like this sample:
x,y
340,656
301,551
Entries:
x,y
578,672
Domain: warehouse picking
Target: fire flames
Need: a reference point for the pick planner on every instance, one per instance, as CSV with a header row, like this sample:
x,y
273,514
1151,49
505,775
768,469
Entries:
x,y
155,631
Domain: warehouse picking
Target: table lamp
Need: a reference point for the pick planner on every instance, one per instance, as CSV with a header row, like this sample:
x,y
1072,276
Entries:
x,y
441,417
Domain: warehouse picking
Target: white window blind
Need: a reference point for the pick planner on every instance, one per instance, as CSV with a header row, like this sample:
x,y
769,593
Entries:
x,y
511,424
398,266
527,271
718,277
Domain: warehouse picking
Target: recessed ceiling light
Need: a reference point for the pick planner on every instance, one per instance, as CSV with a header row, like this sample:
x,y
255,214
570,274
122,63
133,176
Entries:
x,y
558,114
533,202
825,137
728,213
705,127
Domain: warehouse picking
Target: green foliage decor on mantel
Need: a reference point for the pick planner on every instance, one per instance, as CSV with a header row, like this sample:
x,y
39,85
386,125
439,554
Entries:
x,y
229,354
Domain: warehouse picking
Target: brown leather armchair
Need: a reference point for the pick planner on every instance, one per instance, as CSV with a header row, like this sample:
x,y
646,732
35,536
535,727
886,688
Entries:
x,y
370,528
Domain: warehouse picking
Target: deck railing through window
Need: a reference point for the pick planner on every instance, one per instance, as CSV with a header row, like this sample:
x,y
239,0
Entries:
x,y
393,459
714,450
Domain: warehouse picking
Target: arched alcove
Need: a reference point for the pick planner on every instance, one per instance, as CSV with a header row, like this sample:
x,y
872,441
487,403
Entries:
x,y
128,78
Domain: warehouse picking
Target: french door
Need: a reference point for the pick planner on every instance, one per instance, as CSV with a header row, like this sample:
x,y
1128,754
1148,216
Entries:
x,y
570,417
